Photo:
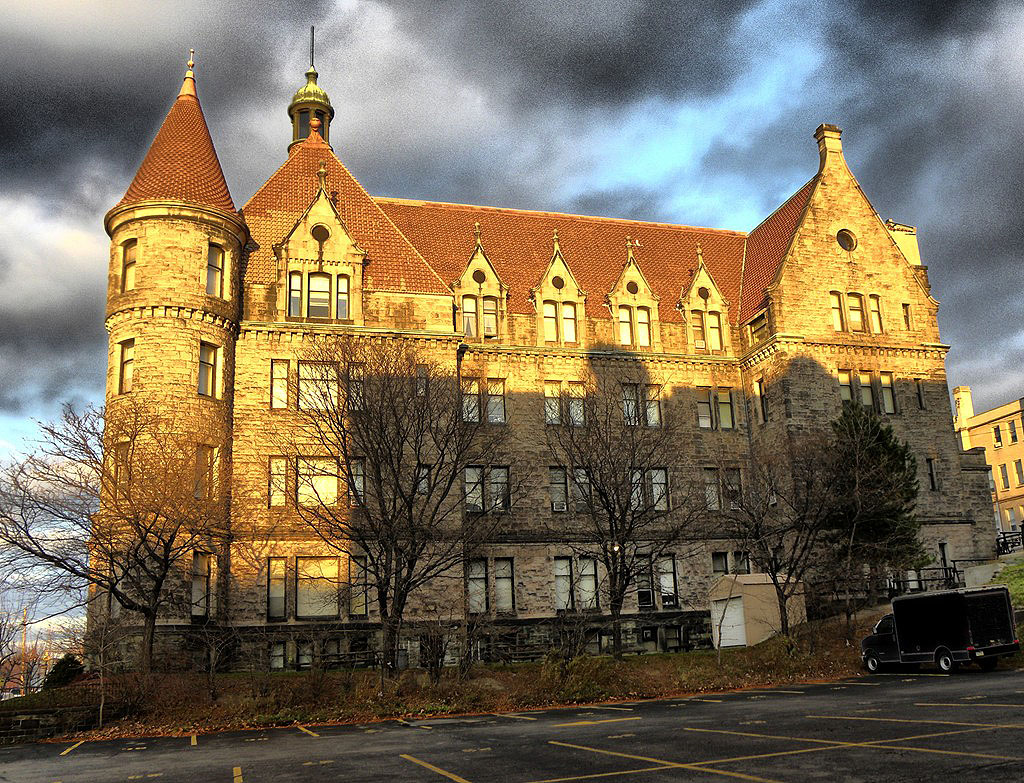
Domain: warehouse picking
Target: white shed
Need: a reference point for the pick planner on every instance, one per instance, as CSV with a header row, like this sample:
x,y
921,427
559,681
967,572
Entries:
x,y
744,609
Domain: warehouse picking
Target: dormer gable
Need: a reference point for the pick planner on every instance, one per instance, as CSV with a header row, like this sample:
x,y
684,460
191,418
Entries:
x,y
320,264
480,296
634,305
705,311
559,303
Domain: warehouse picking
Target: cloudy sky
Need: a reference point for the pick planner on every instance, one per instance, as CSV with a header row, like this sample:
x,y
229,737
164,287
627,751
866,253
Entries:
x,y
692,112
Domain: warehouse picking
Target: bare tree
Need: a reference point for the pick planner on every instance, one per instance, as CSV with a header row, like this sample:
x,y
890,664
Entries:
x,y
612,441
116,504
427,467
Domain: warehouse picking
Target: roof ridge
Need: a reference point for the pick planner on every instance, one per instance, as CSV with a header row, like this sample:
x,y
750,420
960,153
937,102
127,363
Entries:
x,y
549,213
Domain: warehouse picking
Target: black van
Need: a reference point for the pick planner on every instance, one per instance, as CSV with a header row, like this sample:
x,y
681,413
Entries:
x,y
947,627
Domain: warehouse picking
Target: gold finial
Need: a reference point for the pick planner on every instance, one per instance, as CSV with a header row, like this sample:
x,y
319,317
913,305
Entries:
x,y
191,59
188,86
314,124
321,175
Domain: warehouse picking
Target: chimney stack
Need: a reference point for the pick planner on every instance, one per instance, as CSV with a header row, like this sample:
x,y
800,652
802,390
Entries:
x,y
829,144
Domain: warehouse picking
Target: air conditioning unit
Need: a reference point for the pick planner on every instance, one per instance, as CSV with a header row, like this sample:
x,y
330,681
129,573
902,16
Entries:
x,y
645,597
669,601
558,505
700,345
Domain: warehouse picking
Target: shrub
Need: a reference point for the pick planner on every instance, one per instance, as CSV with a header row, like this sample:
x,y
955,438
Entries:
x,y
63,672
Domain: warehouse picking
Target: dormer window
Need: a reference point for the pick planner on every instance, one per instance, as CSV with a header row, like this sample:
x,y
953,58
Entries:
x,y
490,317
714,324
643,327
342,309
215,271
295,294
699,336
625,325
128,265
469,316
569,322
550,322
318,297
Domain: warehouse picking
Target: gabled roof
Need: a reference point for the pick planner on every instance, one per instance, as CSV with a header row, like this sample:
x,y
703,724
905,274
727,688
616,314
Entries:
x,y
393,263
182,164
519,247
767,246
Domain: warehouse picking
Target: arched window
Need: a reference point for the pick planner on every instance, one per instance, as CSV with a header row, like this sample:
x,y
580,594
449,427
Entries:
x,y
295,294
569,322
128,265
341,312
469,316
318,297
643,326
303,123
855,308
625,325
836,300
215,271
699,336
490,317
550,322
714,331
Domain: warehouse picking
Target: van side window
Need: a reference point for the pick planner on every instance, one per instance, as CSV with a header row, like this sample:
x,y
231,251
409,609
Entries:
x,y
884,625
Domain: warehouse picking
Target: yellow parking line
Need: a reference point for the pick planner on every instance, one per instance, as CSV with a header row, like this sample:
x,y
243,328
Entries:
x,y
595,722
303,728
66,751
959,704
237,775
432,768
910,720
594,775
510,715
193,741
710,701
866,684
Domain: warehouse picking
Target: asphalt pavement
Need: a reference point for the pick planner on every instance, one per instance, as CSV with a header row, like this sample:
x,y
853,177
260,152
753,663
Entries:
x,y
920,726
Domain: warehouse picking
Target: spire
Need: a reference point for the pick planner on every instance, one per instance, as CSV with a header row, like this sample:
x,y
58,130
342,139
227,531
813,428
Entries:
x,y
182,164
310,102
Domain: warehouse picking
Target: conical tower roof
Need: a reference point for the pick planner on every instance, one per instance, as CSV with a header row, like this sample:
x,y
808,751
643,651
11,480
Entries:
x,y
182,164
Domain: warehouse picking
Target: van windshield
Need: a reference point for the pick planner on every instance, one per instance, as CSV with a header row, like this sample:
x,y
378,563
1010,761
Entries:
x,y
885,625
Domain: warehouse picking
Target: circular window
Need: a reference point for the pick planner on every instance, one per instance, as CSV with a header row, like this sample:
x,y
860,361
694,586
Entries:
x,y
847,239
703,293
632,287
558,282
479,277
320,233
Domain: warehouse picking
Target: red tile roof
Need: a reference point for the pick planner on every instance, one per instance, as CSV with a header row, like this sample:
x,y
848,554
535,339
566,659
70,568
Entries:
x,y
519,245
767,246
394,264
181,164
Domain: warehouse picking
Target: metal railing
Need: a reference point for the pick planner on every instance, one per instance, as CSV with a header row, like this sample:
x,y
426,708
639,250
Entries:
x,y
1009,542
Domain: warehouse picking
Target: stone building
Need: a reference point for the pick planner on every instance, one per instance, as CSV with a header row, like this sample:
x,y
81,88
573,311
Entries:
x,y
1000,431
749,334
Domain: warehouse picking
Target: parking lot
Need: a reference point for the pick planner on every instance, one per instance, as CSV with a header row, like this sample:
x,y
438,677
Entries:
x,y
889,727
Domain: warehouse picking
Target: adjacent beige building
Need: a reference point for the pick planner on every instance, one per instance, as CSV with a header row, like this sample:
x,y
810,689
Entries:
x,y
1000,431
748,335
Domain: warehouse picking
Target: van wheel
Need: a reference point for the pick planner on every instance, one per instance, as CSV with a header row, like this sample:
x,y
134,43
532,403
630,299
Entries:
x,y
988,664
871,662
944,660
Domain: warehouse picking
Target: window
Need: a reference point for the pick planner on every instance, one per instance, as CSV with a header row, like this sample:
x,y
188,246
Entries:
x,y
354,387
422,380
358,586
991,481
552,403
875,309
845,386
867,395
215,271
126,376
128,251
318,296
277,658
725,417
733,488
557,489
201,568
580,489
906,316
341,308
997,436
122,469
933,474
714,323
476,586
741,562
625,325
667,581
276,576
712,490
855,308
719,562
759,328
318,386
295,294
888,397
357,482
473,487
644,592
498,489
636,490
652,407
704,420
316,587
1011,426
577,392
657,486
697,322
276,489
643,326
762,398
504,585
422,486
631,403
836,300
588,583
550,322
317,481
490,317
279,383
495,401
568,322
1004,476
1018,467
470,400
469,316
563,583
207,369
206,471
919,387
